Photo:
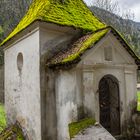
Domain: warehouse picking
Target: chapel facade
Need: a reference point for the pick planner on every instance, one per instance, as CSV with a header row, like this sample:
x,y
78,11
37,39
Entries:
x,y
63,65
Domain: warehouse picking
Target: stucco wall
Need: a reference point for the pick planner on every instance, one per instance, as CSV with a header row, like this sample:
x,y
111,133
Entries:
x,y
51,41
76,91
1,84
65,102
79,87
22,88
122,66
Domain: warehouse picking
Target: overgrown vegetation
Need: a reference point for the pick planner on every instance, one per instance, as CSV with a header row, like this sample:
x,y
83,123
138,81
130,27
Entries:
x,y
138,101
12,133
2,118
76,127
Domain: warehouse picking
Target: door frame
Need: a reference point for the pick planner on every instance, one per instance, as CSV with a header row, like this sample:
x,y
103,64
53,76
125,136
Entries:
x,y
113,78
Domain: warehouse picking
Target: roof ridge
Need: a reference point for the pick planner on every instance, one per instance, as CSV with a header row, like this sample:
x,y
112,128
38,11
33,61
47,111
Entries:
x,y
78,48
70,13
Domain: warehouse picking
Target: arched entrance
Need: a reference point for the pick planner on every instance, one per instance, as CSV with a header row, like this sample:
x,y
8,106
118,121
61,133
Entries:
x,y
109,104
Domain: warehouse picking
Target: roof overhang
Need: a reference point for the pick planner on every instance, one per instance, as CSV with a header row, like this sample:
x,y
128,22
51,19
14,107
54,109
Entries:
x,y
37,25
74,61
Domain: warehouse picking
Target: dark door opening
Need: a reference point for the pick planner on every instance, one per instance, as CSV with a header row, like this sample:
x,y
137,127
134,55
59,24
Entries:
x,y
109,104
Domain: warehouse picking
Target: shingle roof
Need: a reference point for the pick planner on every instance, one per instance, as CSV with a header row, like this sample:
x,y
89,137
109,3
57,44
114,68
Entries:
x,y
73,54
67,13
78,48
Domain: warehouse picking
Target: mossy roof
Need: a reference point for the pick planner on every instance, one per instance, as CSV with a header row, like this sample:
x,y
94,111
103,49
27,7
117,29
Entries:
x,y
73,13
73,54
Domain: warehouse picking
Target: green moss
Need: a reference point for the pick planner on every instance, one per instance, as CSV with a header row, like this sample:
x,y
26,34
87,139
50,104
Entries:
x,y
79,48
76,127
13,131
68,13
85,45
138,101
2,118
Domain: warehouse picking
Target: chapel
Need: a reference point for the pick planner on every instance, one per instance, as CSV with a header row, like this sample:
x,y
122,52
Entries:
x,y
63,64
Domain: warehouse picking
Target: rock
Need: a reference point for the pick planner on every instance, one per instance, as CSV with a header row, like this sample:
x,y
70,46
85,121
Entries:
x,y
96,132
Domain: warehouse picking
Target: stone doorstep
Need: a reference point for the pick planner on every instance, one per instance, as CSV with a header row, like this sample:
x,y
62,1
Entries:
x,y
96,132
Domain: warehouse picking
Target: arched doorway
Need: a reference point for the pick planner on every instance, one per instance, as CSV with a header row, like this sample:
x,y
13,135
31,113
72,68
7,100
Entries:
x,y
109,104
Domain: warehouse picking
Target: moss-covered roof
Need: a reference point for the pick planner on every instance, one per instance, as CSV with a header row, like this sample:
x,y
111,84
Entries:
x,y
73,54
63,12
78,48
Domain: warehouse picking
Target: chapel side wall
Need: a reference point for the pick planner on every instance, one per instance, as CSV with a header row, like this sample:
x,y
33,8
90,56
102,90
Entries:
x,y
49,44
2,83
131,90
68,101
22,88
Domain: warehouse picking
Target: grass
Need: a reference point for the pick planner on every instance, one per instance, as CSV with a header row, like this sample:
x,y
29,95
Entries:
x,y
76,127
2,118
138,103
12,132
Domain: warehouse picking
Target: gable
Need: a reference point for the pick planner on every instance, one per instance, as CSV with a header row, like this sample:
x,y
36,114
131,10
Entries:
x,y
108,51
75,53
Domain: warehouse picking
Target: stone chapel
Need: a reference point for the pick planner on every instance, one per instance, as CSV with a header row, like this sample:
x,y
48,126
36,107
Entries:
x,y
63,64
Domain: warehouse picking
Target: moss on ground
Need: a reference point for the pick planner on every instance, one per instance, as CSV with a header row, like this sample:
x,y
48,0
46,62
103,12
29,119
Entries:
x,y
68,13
76,127
138,101
2,118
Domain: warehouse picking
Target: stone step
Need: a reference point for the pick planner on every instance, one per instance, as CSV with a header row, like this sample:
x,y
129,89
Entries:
x,y
96,132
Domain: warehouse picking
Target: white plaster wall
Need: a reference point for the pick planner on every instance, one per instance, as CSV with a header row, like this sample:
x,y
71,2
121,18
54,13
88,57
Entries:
x,y
50,38
95,67
22,90
65,85
65,102
89,99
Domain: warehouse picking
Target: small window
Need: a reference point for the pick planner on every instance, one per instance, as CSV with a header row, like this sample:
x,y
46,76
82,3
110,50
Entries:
x,y
108,53
20,61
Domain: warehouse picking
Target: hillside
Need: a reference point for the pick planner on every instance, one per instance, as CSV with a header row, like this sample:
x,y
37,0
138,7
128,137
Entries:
x,y
128,28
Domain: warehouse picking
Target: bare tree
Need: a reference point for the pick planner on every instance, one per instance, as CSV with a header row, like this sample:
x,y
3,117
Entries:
x,y
113,7
108,5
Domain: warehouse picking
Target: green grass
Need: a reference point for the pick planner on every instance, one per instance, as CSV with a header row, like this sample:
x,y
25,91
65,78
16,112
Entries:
x,y
76,127
11,131
138,103
7,133
2,118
